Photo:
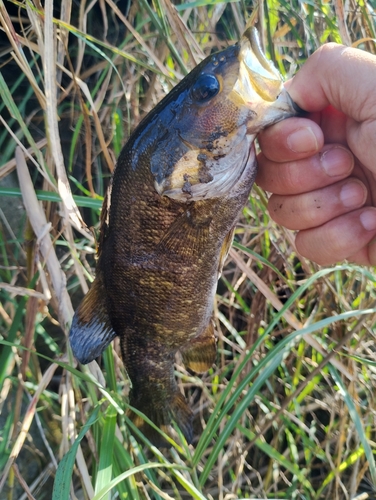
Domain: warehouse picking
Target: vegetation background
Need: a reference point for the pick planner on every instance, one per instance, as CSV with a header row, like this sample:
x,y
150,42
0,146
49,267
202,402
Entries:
x,y
289,410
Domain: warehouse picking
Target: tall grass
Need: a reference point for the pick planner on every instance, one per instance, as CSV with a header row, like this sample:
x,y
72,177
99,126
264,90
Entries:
x,y
288,410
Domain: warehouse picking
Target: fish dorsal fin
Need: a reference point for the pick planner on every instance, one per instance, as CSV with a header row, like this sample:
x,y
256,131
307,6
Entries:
x,y
91,330
200,353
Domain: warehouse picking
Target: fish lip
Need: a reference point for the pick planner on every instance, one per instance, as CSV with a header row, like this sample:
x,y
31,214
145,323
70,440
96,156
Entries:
x,y
260,86
298,110
251,35
265,79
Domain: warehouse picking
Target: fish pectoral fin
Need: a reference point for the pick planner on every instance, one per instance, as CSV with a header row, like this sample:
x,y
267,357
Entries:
x,y
91,331
186,237
200,353
225,250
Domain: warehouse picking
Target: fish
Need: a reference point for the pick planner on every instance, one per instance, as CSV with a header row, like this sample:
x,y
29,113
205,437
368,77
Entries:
x,y
167,224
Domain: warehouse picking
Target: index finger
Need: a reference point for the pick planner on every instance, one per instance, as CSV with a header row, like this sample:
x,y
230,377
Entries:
x,y
291,139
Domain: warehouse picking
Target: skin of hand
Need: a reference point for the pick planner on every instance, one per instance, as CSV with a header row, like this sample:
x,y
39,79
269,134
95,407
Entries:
x,y
321,169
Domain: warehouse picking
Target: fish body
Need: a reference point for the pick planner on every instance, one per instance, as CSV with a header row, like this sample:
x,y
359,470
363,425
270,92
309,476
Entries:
x,y
179,186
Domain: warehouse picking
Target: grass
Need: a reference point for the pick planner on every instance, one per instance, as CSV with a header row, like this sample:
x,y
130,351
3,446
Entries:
x,y
288,411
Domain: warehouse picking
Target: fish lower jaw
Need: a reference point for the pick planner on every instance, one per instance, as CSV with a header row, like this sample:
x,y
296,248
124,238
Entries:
x,y
269,113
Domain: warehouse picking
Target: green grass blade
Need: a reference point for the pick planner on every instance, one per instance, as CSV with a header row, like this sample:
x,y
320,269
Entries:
x,y
81,201
268,365
357,422
124,461
108,359
333,474
14,111
64,472
5,437
188,486
85,375
140,468
260,258
106,452
278,457
6,352
201,3
214,420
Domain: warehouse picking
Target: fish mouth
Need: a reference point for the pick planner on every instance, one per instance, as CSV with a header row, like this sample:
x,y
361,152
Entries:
x,y
260,86
258,78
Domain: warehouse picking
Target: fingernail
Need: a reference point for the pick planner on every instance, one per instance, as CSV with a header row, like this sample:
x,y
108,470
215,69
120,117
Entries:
x,y
302,140
368,220
337,161
353,194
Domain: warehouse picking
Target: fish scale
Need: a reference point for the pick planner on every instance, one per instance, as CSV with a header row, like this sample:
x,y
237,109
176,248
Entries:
x,y
178,189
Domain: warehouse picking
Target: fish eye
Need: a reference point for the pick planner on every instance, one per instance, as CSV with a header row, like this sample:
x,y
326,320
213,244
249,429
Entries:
x,y
206,87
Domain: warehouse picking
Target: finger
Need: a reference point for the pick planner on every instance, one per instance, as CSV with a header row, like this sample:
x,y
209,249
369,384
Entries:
x,y
333,123
315,208
366,256
291,139
344,78
332,164
341,238
335,75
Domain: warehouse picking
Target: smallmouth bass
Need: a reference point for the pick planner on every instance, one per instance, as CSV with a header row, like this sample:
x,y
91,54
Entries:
x,y
167,224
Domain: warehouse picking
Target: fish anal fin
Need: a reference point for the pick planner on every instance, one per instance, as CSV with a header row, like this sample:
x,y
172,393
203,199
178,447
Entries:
x,y
91,331
200,353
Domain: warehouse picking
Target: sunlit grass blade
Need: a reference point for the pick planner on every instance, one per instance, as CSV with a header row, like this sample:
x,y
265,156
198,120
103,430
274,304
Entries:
x,y
214,420
357,422
140,468
266,368
349,462
271,420
280,459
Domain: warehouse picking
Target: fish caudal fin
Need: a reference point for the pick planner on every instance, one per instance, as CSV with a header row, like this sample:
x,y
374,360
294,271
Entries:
x,y
161,412
200,353
91,330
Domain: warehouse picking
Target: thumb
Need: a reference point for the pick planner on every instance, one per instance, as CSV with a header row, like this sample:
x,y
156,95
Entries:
x,y
344,78
341,76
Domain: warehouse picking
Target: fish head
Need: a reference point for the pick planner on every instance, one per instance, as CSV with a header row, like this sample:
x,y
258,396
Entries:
x,y
212,119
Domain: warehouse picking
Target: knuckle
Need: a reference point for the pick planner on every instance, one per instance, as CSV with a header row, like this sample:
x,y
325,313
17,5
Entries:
x,y
327,49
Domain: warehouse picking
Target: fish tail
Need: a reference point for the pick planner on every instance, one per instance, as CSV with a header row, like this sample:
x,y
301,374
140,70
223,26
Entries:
x,y
161,410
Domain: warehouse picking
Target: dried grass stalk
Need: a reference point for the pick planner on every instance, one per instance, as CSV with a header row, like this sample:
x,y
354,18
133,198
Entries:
x,y
39,224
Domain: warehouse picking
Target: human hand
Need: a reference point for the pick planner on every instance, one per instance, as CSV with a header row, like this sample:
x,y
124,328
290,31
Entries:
x,y
322,169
